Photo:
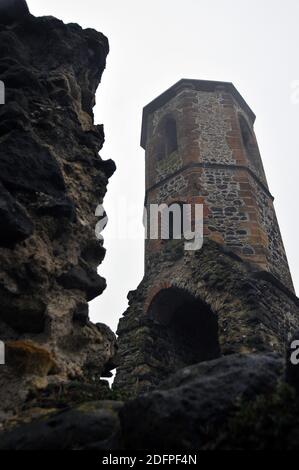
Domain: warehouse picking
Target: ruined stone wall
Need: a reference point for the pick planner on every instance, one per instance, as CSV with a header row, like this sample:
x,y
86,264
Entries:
x,y
51,181
276,255
235,295
254,312
213,164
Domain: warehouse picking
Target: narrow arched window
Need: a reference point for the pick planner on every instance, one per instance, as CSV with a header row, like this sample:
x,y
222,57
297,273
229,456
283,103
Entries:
x,y
168,140
171,140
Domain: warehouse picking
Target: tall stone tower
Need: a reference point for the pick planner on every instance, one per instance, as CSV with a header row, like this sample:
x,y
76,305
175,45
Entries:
x,y
236,293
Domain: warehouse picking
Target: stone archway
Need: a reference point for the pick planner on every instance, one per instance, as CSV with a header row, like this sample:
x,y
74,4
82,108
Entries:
x,y
186,329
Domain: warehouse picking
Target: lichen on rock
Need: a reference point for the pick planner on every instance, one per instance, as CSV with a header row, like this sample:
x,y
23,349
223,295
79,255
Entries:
x,y
51,181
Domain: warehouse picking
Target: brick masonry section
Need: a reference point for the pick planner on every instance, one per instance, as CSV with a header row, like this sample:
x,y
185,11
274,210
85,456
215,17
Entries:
x,y
235,295
240,310
213,160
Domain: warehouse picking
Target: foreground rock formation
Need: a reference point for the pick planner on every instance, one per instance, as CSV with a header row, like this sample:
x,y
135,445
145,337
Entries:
x,y
191,406
51,181
12,10
238,402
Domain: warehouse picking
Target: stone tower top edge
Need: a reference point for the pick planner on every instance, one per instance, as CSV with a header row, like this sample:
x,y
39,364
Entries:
x,y
199,85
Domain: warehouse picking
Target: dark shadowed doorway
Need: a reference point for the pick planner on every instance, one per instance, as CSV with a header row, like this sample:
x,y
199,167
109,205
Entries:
x,y
187,330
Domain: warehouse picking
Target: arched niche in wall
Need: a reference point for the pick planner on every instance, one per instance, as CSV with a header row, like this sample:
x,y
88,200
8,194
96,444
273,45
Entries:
x,y
167,137
188,327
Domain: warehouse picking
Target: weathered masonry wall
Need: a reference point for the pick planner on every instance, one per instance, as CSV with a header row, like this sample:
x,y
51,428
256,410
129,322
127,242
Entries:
x,y
217,161
238,310
235,295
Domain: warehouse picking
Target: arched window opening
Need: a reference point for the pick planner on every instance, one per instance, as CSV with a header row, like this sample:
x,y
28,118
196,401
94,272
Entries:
x,y
188,328
168,139
171,141
250,146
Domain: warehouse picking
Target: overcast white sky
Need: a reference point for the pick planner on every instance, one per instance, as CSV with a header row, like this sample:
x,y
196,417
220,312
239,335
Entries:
x,y
252,43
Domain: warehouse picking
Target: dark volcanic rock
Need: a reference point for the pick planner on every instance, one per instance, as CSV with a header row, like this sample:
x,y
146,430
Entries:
x,y
85,280
15,225
29,320
49,163
181,414
61,207
20,169
12,10
108,167
80,314
92,426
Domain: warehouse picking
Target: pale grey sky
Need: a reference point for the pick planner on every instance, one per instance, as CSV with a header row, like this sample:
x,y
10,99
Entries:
x,y
252,43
